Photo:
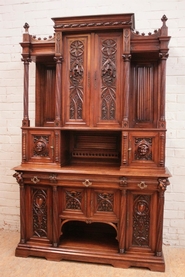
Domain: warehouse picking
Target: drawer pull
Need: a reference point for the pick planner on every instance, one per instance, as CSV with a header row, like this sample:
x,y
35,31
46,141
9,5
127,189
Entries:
x,y
35,180
87,183
142,185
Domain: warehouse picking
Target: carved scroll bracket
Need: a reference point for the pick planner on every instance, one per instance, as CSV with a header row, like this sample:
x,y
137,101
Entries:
x,y
163,183
19,178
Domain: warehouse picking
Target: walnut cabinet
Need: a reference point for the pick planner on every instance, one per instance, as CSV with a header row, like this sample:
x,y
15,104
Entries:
x,y
93,177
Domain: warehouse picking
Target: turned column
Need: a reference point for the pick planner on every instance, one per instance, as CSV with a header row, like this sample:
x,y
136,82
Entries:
x,y
126,86
163,55
26,59
58,90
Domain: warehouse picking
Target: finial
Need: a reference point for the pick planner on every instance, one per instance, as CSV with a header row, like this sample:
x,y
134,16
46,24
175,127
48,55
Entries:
x,y
164,19
26,27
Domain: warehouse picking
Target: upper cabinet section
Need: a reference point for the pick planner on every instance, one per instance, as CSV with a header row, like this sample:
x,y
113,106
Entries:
x,y
97,72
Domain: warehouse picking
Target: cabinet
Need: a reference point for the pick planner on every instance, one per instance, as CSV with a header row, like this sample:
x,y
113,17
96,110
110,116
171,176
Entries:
x,y
93,177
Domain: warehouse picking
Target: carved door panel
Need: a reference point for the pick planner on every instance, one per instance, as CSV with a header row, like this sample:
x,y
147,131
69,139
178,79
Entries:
x,y
40,146
143,149
72,202
39,213
141,221
76,80
105,204
108,76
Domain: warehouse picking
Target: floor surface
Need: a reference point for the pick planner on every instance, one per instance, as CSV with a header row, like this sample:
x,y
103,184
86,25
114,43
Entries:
x,y
11,266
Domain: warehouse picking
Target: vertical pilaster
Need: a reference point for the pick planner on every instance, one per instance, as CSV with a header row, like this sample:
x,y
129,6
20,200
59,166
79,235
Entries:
x,y
55,216
163,183
19,179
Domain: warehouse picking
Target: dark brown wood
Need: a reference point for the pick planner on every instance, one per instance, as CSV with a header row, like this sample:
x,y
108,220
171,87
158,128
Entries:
x,y
93,175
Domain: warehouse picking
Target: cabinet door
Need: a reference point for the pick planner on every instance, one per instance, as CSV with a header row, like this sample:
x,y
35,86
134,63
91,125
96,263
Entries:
x,y
39,214
141,221
76,80
144,149
105,204
108,76
72,202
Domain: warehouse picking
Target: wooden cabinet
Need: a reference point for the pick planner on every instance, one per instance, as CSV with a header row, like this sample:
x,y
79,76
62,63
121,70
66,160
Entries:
x,y
93,175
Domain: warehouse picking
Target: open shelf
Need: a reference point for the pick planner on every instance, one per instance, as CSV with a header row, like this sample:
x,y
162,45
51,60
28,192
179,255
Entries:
x,y
92,237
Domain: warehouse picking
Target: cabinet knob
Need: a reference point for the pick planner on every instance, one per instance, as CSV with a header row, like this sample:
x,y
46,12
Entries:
x,y
87,183
142,185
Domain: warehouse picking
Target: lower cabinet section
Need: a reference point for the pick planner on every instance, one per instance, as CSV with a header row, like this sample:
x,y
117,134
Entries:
x,y
108,219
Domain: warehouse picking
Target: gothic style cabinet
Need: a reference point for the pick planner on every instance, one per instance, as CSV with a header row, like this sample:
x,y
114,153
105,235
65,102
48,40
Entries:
x,y
93,176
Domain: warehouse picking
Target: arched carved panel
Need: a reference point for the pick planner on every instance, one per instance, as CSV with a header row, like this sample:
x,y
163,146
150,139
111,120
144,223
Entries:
x,y
39,208
76,76
141,220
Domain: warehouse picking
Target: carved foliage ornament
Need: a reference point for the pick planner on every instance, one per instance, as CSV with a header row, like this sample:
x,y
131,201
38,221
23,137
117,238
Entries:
x,y
76,76
108,90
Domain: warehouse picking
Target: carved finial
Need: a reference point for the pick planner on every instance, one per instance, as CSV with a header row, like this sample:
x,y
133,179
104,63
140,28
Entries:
x,y
164,19
26,27
164,28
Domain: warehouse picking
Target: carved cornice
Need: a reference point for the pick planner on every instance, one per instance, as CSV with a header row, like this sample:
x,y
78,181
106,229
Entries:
x,y
92,24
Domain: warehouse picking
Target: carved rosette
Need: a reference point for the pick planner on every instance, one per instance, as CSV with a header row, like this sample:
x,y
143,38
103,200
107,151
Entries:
x,y
76,76
73,200
105,202
108,89
40,148
39,213
143,148
141,220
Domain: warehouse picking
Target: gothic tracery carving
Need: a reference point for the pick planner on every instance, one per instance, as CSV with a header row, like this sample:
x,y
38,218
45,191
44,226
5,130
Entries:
x,y
76,79
141,220
73,200
108,89
105,202
39,212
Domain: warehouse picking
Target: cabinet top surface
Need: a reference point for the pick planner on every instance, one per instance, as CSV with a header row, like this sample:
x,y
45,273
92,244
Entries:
x,y
95,170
